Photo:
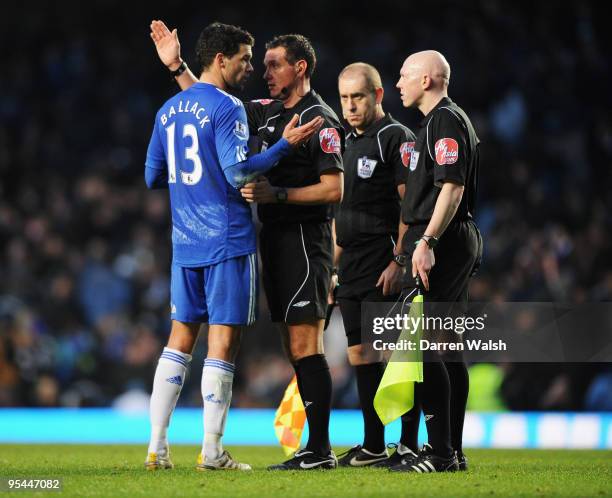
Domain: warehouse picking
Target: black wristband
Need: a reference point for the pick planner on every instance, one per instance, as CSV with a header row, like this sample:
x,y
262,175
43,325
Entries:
x,y
400,260
430,240
179,70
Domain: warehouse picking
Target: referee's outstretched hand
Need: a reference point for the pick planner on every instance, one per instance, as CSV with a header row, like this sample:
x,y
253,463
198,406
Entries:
x,y
297,136
423,260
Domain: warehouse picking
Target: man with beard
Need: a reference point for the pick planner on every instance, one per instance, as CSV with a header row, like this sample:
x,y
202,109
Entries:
x,y
294,201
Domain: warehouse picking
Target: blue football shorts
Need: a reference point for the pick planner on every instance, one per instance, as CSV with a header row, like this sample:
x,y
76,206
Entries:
x,y
221,294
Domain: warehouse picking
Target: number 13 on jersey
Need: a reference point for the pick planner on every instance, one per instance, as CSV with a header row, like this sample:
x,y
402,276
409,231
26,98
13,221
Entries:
x,y
191,154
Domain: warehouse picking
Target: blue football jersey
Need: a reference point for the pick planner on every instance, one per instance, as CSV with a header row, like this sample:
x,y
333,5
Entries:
x,y
198,133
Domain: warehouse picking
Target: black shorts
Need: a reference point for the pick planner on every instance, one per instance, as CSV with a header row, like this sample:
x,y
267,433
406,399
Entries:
x,y
360,266
358,271
297,263
350,308
458,256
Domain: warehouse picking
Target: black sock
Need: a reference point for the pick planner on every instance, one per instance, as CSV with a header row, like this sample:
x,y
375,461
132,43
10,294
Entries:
x,y
316,389
368,379
436,406
460,387
298,380
411,420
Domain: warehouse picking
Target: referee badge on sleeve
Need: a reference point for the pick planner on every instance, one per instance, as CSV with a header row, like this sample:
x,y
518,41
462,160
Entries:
x,y
330,142
406,150
447,151
414,159
366,167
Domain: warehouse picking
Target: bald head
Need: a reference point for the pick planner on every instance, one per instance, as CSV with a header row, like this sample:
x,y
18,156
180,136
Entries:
x,y
362,70
424,80
432,64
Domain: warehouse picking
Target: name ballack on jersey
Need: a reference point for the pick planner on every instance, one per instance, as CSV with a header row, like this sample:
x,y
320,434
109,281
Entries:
x,y
198,134
194,108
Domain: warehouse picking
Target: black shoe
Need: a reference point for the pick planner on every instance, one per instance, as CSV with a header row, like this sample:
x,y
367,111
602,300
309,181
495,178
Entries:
x,y
401,454
428,462
358,456
307,460
462,460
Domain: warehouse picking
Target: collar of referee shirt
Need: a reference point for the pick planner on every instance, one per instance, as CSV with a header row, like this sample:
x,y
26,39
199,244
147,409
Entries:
x,y
302,103
374,128
443,101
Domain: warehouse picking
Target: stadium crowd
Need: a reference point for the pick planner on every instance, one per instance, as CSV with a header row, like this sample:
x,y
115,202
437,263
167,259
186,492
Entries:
x,y
84,247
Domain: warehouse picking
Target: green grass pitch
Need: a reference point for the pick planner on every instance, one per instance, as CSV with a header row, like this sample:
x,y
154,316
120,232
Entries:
x,y
106,470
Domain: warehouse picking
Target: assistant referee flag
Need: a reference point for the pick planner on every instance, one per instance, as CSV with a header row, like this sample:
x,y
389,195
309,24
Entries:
x,y
395,394
290,418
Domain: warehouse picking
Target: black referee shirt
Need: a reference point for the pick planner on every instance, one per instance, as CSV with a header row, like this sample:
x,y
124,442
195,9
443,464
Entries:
x,y
303,167
446,149
375,163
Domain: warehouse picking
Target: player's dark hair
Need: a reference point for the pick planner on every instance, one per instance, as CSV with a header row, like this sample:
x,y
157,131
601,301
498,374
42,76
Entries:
x,y
298,47
220,38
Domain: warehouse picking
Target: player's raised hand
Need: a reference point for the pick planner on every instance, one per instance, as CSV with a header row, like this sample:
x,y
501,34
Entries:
x,y
297,136
167,44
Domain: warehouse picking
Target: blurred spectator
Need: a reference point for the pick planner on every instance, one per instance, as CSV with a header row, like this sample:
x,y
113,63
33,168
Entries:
x,y
84,247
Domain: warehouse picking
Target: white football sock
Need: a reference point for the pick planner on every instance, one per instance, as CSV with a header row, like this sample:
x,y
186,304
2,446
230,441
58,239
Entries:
x,y
217,380
167,385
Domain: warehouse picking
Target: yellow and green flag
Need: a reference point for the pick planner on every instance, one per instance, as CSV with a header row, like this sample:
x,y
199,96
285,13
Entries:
x,y
395,394
290,418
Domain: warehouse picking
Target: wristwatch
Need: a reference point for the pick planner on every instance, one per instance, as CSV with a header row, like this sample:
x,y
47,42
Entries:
x,y
400,259
430,240
179,70
281,195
